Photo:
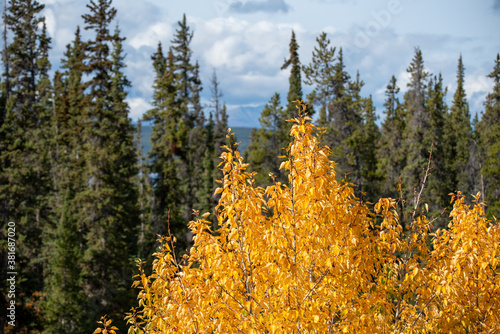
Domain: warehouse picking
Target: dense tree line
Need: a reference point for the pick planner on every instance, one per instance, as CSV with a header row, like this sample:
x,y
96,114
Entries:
x,y
388,160
87,202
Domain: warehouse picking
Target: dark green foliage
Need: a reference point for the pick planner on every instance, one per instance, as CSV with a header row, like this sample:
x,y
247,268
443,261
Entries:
x,y
64,296
295,81
168,138
488,130
271,140
25,182
425,111
109,215
368,144
390,154
458,139
417,123
351,131
321,73
64,241
268,143
437,194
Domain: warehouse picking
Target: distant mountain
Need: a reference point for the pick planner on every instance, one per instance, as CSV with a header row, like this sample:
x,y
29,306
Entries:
x,y
244,116
242,136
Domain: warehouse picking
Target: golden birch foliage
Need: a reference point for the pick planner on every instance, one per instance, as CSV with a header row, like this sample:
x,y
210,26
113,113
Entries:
x,y
308,257
465,272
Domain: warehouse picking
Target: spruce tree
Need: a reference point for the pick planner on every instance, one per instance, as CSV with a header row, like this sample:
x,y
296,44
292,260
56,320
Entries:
x,y
167,141
458,139
270,141
437,194
192,119
369,184
25,183
488,131
109,214
65,298
216,132
320,73
339,121
390,154
267,143
220,120
198,140
416,148
295,81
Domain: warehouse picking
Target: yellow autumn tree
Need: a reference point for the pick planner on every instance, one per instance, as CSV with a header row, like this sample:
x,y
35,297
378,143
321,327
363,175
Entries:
x,y
309,257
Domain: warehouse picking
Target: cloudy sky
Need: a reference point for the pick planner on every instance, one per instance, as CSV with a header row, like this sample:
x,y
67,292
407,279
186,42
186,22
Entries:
x,y
246,42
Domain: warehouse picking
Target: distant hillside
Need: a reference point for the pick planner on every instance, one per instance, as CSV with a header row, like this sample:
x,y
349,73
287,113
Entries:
x,y
242,135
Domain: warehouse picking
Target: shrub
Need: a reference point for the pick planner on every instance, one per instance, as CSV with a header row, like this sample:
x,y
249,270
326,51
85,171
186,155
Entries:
x,y
308,256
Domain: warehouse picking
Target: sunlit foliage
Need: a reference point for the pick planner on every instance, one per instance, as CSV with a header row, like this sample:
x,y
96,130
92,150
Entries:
x,y
309,257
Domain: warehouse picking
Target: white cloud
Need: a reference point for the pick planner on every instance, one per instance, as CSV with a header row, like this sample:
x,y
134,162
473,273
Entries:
x,y
160,31
50,22
138,106
477,84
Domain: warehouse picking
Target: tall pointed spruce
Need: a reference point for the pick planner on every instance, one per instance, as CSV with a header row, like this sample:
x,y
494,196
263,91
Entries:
x,y
25,184
417,123
109,214
390,154
489,132
458,137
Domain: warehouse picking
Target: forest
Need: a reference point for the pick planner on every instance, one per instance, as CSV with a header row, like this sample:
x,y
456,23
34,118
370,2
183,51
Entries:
x,y
81,205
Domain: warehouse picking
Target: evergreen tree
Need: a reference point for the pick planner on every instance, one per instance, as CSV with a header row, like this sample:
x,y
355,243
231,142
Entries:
x,y
437,194
416,143
295,81
489,134
217,129
458,139
220,121
390,154
197,149
369,184
167,139
64,248
207,184
64,297
270,141
320,73
109,214
192,119
25,174
266,143
345,122
475,159
339,123
184,70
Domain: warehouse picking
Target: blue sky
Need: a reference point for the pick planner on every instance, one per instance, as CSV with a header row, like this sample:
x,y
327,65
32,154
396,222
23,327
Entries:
x,y
246,42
